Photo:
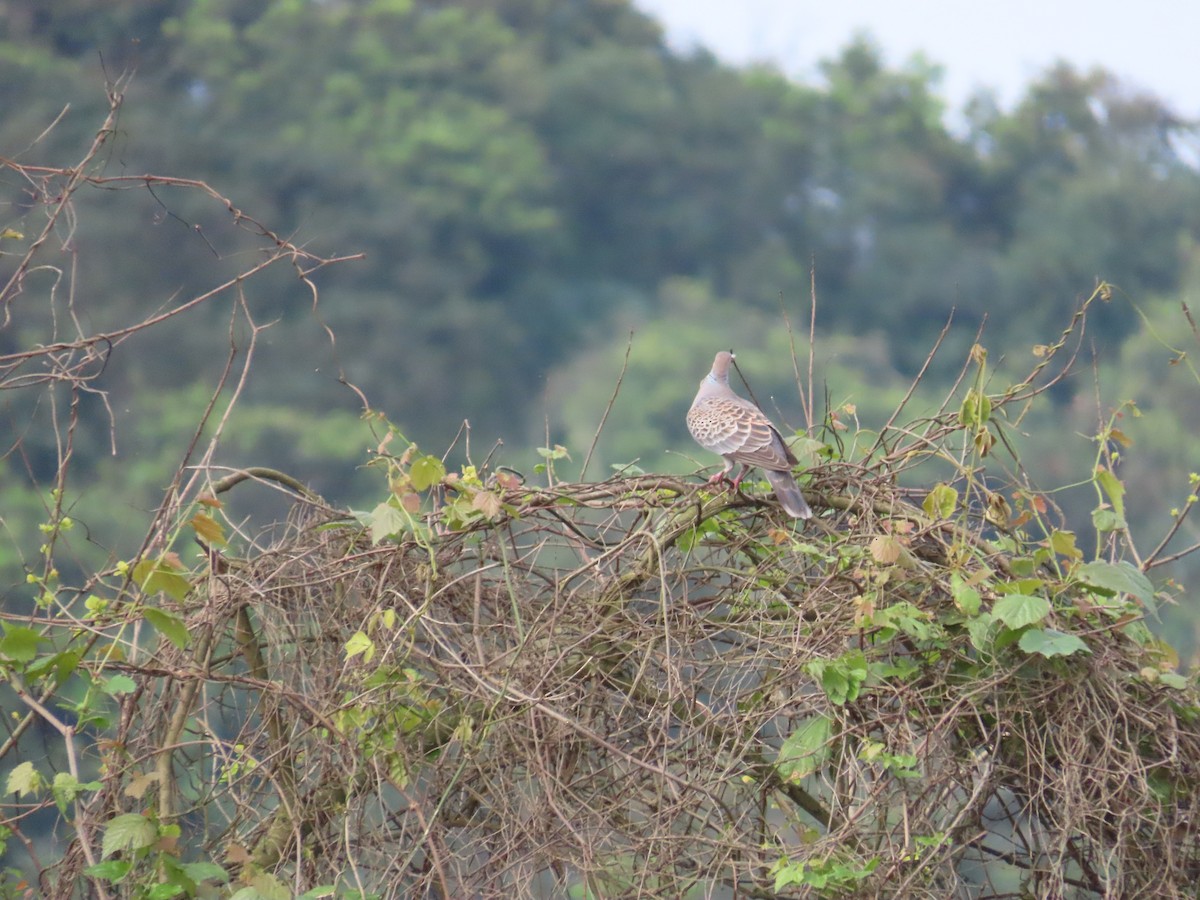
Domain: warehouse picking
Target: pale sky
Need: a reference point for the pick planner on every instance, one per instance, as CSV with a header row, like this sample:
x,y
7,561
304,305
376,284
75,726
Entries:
x,y
1002,44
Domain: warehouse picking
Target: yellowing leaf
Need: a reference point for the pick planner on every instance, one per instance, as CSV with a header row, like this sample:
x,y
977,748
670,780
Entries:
x,y
940,502
426,472
154,575
360,643
24,779
1063,543
209,529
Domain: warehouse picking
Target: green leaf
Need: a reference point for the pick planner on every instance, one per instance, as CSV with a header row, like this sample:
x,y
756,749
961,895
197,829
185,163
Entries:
x,y
1019,610
165,891
976,409
205,871
806,749
24,780
1105,520
19,644
386,520
840,678
1113,489
1049,642
426,472
67,787
63,665
980,631
940,502
1117,578
130,831
116,685
1173,680
268,887
966,598
360,643
154,575
113,870
170,625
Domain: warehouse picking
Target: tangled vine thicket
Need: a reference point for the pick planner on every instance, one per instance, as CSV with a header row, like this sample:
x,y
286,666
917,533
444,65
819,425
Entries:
x,y
636,687
605,688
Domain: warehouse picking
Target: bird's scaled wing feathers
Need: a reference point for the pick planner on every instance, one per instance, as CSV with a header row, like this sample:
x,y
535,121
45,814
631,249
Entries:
x,y
738,430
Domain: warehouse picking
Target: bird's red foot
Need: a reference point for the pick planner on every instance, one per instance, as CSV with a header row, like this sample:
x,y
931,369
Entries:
x,y
718,478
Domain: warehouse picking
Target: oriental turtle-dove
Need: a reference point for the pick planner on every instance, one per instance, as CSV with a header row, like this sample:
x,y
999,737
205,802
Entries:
x,y
732,426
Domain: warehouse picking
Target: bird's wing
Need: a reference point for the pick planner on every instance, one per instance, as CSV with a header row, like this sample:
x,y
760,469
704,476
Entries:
x,y
738,430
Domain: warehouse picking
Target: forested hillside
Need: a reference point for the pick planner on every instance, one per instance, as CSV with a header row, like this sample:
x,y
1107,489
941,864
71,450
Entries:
x,y
350,538
528,181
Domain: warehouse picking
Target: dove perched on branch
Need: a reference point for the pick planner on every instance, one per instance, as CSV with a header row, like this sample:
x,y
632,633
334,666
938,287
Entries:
x,y
732,426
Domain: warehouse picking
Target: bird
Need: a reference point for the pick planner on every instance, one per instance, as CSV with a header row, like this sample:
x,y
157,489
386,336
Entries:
x,y
732,426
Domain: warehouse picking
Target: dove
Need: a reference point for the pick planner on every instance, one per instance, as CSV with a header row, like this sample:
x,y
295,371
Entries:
x,y
732,426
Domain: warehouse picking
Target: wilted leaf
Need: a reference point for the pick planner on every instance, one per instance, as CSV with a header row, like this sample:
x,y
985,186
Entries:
x,y
139,784
237,854
984,441
487,503
885,549
509,481
998,510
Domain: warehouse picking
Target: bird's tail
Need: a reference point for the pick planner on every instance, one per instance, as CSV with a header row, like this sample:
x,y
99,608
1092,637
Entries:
x,y
789,494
